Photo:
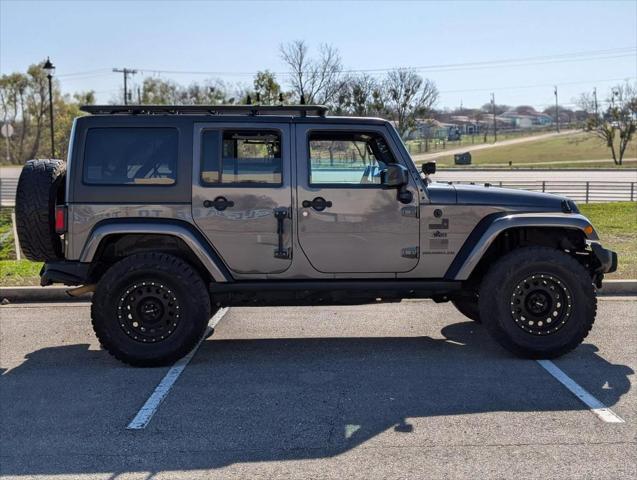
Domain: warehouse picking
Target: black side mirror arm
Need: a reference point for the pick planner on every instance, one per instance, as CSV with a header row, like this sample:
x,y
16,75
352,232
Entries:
x,y
404,195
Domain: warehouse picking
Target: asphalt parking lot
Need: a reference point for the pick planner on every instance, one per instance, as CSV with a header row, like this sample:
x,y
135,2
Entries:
x,y
408,390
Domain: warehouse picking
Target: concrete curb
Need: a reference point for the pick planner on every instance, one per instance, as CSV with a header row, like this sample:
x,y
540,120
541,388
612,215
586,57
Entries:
x,y
619,287
33,294
58,294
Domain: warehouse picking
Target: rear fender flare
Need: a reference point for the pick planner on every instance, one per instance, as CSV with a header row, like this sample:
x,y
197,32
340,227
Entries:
x,y
192,238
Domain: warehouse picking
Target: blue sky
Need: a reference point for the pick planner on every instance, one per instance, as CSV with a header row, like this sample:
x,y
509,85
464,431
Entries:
x,y
95,36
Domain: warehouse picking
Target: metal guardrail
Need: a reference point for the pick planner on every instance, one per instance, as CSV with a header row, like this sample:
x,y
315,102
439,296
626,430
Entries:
x,y
582,192
8,188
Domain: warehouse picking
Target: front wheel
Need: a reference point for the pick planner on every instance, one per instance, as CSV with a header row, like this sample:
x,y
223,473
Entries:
x,y
150,309
467,304
538,302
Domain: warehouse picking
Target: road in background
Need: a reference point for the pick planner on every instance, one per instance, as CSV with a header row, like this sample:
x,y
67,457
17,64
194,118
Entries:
x,y
423,157
406,390
504,175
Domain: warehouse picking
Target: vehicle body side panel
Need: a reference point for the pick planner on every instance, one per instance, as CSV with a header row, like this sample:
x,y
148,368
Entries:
x,y
84,217
444,229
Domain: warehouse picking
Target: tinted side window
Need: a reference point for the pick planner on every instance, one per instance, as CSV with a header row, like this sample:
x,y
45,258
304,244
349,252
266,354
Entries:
x,y
126,156
347,158
242,156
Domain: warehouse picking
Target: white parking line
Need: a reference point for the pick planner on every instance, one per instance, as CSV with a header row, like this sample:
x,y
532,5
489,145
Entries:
x,y
149,408
597,407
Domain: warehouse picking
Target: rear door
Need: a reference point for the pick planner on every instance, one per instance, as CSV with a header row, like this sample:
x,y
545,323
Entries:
x,y
242,194
347,221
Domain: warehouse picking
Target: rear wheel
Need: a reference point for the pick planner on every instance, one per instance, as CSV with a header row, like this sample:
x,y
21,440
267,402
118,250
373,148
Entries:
x,y
538,302
150,309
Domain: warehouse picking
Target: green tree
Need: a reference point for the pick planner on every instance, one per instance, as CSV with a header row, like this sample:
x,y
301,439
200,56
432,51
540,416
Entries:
x,y
24,104
617,125
268,89
360,95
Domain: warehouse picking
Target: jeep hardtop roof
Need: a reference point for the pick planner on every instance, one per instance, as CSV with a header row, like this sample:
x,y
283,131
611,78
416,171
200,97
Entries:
x,y
299,113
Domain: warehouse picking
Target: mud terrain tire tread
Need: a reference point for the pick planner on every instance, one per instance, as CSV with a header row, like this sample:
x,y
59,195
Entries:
x,y
495,297
39,188
468,306
182,279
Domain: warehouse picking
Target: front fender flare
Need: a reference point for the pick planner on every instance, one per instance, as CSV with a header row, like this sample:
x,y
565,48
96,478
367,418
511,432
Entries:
x,y
192,239
476,245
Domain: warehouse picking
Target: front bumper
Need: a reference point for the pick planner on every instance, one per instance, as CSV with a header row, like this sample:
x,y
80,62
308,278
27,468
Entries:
x,y
607,258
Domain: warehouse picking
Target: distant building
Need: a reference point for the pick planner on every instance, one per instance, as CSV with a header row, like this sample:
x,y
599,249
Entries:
x,y
526,120
436,130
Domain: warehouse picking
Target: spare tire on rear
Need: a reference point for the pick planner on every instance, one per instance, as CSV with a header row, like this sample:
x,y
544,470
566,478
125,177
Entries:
x,y
40,188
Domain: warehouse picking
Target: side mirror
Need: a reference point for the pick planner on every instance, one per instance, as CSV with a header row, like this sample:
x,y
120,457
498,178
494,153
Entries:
x,y
394,176
429,168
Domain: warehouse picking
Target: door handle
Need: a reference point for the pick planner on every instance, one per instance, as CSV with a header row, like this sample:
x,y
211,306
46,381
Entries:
x,y
280,214
319,204
219,203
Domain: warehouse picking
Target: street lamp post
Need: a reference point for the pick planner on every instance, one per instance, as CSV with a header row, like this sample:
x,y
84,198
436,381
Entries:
x,y
49,68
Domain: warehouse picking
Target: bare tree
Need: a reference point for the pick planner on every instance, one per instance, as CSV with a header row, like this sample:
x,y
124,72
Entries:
x,y
617,125
23,103
409,95
313,80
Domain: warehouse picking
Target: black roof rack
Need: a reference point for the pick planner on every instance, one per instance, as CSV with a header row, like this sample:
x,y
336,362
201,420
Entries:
x,y
300,110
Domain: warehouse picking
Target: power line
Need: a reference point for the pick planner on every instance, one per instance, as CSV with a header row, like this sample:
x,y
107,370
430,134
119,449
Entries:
x,y
537,85
86,72
524,61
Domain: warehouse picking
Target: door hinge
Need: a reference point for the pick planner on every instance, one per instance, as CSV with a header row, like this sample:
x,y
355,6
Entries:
x,y
410,252
410,211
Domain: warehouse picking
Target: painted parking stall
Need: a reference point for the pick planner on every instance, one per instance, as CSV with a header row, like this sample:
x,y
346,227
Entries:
x,y
318,389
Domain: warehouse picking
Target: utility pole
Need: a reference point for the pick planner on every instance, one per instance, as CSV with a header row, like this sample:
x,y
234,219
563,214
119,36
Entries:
x,y
126,72
595,97
557,112
495,127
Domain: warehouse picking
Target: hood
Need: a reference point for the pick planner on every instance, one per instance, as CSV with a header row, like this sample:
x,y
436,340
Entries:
x,y
497,196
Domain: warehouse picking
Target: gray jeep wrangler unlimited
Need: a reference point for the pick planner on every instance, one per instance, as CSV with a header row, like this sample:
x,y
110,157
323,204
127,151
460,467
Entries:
x,y
168,213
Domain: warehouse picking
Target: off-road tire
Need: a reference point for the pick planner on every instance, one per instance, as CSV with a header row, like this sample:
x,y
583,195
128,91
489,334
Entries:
x,y
467,304
144,273
40,187
508,276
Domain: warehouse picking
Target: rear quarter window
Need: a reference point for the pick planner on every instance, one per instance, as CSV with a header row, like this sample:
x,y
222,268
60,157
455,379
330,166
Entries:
x,y
131,156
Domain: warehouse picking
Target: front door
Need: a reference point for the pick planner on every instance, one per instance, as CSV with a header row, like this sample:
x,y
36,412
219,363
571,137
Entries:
x,y
347,221
242,194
